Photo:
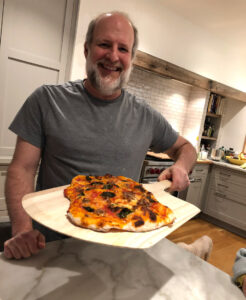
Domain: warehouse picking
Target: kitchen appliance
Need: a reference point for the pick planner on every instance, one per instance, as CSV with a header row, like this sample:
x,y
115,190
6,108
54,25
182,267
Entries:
x,y
217,154
152,168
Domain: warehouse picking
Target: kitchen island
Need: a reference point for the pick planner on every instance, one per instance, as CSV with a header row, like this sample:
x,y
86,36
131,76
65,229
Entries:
x,y
73,269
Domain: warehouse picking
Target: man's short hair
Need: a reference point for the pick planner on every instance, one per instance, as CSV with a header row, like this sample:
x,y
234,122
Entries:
x,y
92,25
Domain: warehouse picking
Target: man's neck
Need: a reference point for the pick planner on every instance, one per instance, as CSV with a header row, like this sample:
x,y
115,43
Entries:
x,y
94,92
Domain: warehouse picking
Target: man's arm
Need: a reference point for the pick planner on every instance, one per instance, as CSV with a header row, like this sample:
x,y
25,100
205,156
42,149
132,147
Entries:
x,y
19,182
184,155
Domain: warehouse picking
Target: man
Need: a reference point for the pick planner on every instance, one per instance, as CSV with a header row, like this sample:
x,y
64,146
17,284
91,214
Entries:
x,y
239,270
89,127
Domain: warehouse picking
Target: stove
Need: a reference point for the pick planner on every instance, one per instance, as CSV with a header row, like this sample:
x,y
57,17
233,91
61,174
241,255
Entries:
x,y
152,168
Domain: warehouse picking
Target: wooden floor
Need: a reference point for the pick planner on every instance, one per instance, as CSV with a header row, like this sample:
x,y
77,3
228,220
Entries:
x,y
225,243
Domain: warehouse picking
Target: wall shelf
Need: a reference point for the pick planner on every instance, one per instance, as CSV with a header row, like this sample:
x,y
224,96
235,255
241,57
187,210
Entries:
x,y
209,138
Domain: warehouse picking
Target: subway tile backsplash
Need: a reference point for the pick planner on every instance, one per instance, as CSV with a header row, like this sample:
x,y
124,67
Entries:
x,y
181,104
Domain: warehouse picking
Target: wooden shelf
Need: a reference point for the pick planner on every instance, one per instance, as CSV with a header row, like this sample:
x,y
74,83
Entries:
x,y
208,138
212,115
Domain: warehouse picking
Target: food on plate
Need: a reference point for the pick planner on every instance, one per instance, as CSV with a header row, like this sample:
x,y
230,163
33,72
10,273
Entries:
x,y
109,203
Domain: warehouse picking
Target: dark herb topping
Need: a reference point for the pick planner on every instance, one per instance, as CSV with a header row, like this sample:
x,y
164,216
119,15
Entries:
x,y
114,208
139,223
81,193
88,178
88,208
124,212
96,182
107,194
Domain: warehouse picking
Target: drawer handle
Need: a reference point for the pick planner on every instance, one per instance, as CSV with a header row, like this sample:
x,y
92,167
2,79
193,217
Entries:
x,y
3,173
192,180
224,174
222,185
220,195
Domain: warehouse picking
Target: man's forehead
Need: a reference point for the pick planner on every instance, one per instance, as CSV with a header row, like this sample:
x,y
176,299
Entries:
x,y
108,22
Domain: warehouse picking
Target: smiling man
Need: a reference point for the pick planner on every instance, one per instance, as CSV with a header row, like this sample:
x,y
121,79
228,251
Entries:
x,y
91,127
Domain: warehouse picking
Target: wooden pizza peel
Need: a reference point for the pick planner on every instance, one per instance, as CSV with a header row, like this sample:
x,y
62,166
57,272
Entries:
x,y
49,208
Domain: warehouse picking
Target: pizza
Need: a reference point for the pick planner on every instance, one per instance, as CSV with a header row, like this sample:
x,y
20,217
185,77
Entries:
x,y
109,203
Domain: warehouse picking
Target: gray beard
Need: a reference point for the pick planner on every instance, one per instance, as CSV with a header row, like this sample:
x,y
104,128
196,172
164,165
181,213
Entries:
x,y
105,84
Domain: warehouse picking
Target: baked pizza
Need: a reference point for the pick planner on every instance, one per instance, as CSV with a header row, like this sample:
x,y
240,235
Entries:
x,y
109,203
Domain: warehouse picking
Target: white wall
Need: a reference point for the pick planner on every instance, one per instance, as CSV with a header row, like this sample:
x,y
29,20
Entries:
x,y
233,128
169,36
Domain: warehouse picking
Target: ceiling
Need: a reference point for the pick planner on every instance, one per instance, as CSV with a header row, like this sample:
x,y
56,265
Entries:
x,y
224,18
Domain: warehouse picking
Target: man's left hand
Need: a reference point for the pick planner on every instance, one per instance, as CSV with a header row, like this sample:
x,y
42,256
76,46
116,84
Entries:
x,y
178,176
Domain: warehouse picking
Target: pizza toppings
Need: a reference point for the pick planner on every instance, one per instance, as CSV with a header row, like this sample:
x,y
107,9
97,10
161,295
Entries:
x,y
110,202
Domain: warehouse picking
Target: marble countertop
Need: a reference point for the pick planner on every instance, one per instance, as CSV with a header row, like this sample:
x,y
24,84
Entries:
x,y
73,269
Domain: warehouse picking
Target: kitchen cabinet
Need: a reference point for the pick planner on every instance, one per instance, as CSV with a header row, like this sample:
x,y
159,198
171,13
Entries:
x,y
3,208
226,200
36,45
198,178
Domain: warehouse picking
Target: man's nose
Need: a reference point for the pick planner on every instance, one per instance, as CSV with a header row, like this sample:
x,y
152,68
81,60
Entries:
x,y
113,54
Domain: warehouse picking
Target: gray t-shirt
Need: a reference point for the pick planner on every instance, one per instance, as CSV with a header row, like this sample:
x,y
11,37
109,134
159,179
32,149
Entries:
x,y
80,134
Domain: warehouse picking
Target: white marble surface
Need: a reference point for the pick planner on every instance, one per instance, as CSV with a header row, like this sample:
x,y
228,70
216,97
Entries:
x,y
73,269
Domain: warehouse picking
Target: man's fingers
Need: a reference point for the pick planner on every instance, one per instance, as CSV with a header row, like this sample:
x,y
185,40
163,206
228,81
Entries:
x,y
24,244
41,241
7,252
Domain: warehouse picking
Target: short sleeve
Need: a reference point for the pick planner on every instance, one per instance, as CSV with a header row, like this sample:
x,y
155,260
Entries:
x,y
28,122
164,136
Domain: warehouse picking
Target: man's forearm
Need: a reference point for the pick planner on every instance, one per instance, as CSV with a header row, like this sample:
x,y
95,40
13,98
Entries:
x,y
19,183
185,157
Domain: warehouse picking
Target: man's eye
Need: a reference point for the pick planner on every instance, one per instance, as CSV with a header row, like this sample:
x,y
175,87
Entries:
x,y
122,49
104,45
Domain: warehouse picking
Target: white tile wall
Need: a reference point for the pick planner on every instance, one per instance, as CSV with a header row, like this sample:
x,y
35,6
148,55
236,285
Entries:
x,y
181,104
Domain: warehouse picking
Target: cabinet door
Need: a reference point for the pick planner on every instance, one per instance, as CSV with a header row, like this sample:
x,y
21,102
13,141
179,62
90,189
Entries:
x,y
198,181
3,208
35,44
194,194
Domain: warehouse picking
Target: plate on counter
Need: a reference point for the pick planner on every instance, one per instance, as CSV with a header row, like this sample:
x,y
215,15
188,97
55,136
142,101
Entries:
x,y
49,208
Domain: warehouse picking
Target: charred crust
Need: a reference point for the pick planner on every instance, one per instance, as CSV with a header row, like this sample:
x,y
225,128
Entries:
x,y
152,216
139,223
140,187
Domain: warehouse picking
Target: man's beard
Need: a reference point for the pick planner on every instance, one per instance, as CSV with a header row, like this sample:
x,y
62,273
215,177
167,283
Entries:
x,y
106,85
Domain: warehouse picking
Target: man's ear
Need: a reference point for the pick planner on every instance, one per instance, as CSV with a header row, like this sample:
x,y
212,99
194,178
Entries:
x,y
85,49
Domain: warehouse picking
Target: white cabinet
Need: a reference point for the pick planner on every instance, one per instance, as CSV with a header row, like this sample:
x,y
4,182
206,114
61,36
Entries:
x,y
3,208
198,179
226,198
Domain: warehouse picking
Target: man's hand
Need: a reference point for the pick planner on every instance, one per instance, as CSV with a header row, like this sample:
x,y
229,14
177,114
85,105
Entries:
x,y
24,244
178,176
244,286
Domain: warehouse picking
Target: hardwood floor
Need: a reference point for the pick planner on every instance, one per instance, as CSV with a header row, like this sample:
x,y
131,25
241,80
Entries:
x,y
225,243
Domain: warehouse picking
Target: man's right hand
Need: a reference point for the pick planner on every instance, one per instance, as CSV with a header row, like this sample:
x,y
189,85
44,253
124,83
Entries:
x,y
24,244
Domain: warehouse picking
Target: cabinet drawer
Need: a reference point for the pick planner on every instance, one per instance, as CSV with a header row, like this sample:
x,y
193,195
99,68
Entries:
x,y
200,170
226,209
231,190
228,176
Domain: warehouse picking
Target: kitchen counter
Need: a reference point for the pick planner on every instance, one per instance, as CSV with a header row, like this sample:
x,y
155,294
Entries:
x,y
222,164
73,269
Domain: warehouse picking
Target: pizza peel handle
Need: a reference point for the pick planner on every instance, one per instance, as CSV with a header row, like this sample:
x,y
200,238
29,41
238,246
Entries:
x,y
158,186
